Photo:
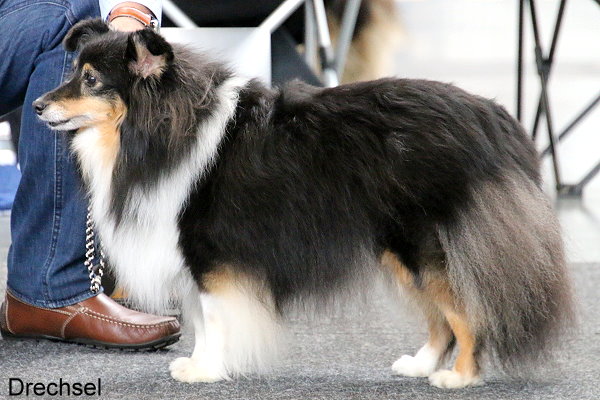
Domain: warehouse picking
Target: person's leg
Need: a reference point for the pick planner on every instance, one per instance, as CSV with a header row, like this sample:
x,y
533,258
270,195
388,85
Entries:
x,y
45,263
48,292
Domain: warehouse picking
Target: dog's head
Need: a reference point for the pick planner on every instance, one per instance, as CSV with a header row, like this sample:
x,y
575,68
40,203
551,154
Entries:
x,y
108,65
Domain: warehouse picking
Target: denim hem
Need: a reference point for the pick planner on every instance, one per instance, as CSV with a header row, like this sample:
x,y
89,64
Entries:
x,y
54,304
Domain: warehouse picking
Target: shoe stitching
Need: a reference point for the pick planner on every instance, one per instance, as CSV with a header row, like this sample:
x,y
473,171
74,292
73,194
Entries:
x,y
107,318
64,327
6,317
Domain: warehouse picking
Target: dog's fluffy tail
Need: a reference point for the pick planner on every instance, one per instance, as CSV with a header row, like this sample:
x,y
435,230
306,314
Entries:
x,y
506,265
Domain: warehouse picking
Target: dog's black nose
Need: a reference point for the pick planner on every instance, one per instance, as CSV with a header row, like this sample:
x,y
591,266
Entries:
x,y
39,106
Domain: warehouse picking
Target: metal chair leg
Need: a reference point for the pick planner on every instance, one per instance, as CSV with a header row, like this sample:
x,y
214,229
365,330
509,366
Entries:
x,y
326,54
179,18
543,69
549,60
346,32
310,35
520,60
569,128
280,15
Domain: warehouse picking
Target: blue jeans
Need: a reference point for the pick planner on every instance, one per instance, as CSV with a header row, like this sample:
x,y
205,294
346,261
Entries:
x,y
45,261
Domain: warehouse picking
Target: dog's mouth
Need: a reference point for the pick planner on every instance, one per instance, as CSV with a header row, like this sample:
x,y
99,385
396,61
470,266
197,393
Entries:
x,y
65,124
54,124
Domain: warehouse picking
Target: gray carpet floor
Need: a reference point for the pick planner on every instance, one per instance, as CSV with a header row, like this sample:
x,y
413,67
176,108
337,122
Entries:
x,y
344,356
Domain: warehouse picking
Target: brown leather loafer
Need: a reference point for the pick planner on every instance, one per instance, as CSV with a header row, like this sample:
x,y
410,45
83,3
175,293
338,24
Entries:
x,y
97,321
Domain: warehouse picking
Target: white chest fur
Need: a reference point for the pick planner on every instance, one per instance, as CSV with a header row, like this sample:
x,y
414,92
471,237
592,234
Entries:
x,y
143,248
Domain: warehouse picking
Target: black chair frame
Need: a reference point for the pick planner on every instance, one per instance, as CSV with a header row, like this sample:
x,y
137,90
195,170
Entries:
x,y
544,62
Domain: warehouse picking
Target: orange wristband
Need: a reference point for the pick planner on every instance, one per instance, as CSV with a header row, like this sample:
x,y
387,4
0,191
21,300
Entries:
x,y
130,12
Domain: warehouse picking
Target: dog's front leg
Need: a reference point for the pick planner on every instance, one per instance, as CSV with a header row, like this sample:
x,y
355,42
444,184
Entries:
x,y
207,361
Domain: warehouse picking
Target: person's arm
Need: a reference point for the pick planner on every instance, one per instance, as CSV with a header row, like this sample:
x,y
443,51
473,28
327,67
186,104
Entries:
x,y
125,23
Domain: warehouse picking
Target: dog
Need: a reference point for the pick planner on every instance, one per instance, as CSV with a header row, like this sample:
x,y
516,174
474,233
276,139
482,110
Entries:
x,y
243,201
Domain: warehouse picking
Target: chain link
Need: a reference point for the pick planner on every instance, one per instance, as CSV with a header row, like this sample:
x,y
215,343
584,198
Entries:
x,y
90,252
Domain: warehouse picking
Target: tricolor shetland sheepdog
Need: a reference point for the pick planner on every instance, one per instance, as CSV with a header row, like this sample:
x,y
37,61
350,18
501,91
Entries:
x,y
242,200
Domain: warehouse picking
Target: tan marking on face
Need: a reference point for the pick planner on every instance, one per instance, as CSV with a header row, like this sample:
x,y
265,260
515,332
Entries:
x,y
110,133
87,69
104,115
96,109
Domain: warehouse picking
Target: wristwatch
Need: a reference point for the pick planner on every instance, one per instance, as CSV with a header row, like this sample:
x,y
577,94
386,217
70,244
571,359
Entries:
x,y
130,12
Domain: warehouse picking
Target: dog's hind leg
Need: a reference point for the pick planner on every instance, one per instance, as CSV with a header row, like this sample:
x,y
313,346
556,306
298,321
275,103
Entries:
x,y
237,332
435,288
429,357
441,339
447,324
466,367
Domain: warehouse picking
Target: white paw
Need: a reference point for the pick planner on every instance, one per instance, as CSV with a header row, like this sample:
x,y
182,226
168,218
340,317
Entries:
x,y
413,366
185,369
447,379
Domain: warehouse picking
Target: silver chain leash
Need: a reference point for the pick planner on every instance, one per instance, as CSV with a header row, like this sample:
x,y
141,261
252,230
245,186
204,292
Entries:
x,y
90,252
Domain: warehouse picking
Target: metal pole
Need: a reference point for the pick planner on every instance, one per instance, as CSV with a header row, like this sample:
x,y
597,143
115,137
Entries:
x,y
310,35
281,13
330,78
520,61
589,176
548,63
545,101
346,32
176,15
573,123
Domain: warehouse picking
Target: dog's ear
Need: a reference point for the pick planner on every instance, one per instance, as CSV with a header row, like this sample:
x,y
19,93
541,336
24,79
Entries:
x,y
149,53
82,31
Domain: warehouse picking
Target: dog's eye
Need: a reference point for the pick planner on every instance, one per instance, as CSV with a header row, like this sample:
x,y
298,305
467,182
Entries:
x,y
90,80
